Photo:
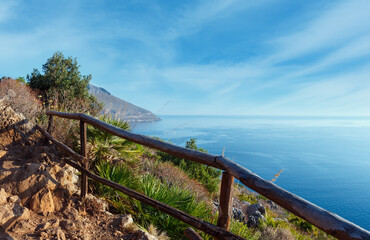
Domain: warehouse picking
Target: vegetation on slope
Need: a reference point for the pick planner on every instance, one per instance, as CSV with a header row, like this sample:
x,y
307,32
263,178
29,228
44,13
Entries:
x,y
183,184
208,176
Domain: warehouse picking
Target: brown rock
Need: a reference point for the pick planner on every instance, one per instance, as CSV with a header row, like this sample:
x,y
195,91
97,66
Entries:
x,y
3,196
67,225
61,235
42,202
11,212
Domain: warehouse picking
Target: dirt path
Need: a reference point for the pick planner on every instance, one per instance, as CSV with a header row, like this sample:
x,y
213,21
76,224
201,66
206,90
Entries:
x,y
39,195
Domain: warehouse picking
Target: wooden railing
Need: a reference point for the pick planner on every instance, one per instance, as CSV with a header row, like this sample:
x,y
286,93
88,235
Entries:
x,y
321,218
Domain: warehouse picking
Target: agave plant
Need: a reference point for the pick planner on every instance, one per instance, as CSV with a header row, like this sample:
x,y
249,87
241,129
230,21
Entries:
x,y
105,146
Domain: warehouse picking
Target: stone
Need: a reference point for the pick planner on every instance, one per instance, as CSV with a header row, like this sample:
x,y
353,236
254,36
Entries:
x,y
44,235
42,202
144,235
43,226
238,215
61,235
3,196
67,178
252,209
23,226
67,225
255,220
272,205
246,203
14,199
11,212
255,215
125,221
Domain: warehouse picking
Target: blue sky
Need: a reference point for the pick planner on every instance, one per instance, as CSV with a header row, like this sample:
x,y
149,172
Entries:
x,y
223,57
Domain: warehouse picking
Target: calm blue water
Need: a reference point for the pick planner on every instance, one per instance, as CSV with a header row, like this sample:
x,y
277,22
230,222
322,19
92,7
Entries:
x,y
325,160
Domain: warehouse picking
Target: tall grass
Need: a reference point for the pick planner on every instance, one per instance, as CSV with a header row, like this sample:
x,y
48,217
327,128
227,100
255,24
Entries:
x,y
153,188
208,176
172,175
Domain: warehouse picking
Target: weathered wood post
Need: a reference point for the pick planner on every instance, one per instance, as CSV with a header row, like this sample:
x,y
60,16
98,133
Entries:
x,y
51,122
192,235
83,139
226,201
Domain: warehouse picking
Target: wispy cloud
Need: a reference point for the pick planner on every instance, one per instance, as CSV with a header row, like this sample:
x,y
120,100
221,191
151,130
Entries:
x,y
194,18
330,96
137,51
333,27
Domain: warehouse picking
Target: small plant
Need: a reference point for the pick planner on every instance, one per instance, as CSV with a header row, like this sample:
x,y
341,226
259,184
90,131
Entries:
x,y
277,175
248,198
236,227
108,147
301,224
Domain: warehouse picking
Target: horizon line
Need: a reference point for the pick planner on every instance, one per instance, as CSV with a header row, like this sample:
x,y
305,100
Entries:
x,y
262,115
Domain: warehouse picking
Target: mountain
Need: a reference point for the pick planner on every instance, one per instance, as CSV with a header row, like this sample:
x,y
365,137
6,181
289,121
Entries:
x,y
120,108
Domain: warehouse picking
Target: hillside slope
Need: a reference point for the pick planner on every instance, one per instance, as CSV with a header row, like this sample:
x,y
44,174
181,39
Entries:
x,y
120,108
39,193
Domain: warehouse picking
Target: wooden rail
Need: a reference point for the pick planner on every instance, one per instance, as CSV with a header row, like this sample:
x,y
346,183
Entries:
x,y
325,220
204,226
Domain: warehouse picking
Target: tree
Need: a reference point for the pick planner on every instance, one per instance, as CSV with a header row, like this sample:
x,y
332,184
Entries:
x,y
60,73
62,86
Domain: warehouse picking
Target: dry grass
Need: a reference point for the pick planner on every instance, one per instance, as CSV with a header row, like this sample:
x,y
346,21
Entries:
x,y
159,235
174,176
23,100
276,234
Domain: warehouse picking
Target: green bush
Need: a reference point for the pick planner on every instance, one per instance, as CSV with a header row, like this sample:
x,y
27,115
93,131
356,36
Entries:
x,y
60,73
153,188
106,146
61,84
173,196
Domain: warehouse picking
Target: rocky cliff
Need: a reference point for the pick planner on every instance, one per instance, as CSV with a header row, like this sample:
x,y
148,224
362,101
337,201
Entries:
x,y
120,108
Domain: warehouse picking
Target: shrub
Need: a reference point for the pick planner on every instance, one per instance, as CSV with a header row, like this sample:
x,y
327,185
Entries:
x,y
64,89
301,224
108,147
173,196
66,130
208,176
60,73
24,100
118,173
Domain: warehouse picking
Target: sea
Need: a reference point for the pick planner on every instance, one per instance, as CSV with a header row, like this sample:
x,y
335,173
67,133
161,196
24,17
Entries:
x,y
325,160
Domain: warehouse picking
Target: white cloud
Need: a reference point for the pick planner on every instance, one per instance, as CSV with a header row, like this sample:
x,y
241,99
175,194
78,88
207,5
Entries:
x,y
333,27
193,19
344,94
355,49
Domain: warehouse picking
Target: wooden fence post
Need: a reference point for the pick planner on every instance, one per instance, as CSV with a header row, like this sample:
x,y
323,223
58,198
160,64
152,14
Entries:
x,y
83,139
226,201
51,121
192,235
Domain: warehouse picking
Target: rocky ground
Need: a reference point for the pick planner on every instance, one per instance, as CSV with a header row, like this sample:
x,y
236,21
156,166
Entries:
x,y
39,193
